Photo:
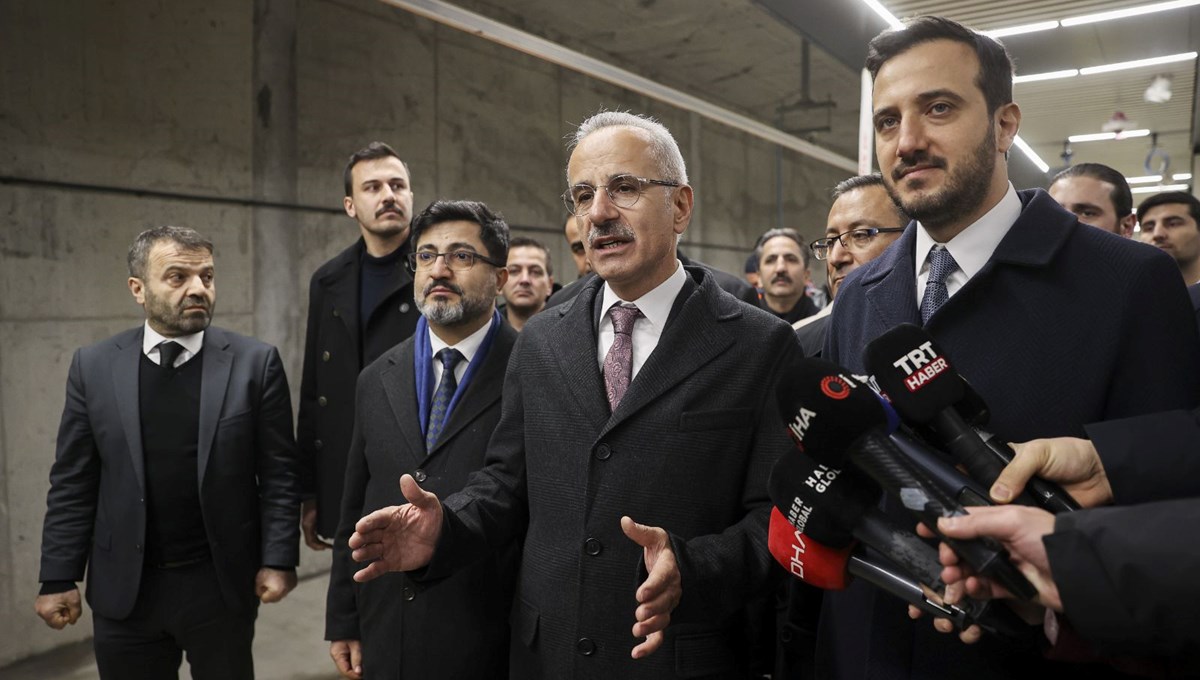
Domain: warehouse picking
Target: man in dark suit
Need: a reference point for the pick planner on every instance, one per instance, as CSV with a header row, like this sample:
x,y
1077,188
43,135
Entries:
x,y
360,304
391,627
175,481
644,398
1046,317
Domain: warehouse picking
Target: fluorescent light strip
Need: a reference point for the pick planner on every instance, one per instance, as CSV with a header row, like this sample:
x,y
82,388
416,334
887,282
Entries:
x,y
1159,188
1128,12
1181,176
1121,66
1102,136
883,12
1026,28
1031,154
1052,75
1148,179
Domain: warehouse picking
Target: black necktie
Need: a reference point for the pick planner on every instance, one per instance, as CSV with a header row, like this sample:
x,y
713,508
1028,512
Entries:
x,y
168,352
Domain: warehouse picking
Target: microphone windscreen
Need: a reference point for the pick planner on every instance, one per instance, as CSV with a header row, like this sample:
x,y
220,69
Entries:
x,y
823,502
806,559
914,372
825,409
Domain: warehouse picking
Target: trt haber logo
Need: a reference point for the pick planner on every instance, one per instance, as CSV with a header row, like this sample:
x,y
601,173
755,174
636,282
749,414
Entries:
x,y
921,365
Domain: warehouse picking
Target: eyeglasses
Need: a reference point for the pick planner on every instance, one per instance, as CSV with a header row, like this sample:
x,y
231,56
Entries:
x,y
622,190
855,240
458,260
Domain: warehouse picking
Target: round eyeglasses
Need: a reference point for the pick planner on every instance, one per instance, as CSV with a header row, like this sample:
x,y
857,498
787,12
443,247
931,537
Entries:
x,y
855,240
623,190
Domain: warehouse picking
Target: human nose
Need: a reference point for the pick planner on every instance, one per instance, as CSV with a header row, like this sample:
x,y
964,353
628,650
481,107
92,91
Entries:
x,y
838,254
911,137
440,267
602,208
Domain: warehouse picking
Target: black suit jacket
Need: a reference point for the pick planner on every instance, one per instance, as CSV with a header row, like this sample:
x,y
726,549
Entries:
x,y
1194,291
1054,333
689,449
334,353
249,493
459,628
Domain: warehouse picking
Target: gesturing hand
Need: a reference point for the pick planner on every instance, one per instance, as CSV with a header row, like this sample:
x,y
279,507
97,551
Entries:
x,y
662,590
399,537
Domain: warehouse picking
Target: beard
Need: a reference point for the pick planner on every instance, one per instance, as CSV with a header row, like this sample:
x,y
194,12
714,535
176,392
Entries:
x,y
965,189
469,307
167,317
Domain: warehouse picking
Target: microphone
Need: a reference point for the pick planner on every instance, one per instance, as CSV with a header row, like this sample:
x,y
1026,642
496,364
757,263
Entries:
x,y
840,421
924,388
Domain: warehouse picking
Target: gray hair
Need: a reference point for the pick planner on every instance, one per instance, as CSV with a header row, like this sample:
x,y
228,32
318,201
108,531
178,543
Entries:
x,y
139,252
664,151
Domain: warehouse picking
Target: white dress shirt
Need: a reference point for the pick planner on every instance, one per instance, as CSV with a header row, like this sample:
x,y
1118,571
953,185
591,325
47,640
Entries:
x,y
655,307
972,247
192,344
467,347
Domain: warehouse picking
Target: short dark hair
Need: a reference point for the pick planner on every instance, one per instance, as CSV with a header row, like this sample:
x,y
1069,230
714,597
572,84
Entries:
x,y
873,179
995,77
493,230
372,151
786,232
139,252
526,242
1167,197
1121,196
751,265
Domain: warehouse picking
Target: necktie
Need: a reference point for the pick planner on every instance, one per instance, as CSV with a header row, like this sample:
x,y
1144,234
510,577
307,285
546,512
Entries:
x,y
168,352
441,398
618,363
941,265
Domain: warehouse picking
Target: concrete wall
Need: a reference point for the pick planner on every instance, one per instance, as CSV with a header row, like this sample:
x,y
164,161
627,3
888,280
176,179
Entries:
x,y
168,98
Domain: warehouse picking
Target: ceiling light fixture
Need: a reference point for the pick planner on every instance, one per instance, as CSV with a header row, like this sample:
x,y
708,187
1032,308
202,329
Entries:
x,y
1031,154
1052,75
1102,136
1128,12
1123,65
1181,176
890,18
1025,28
1146,179
1159,188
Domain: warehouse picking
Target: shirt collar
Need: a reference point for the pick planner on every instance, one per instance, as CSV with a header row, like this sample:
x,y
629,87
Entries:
x,y
468,346
656,304
152,338
973,246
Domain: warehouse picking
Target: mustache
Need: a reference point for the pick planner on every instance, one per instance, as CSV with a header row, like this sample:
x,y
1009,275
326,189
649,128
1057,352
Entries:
x,y
389,208
917,158
194,301
781,277
444,284
609,229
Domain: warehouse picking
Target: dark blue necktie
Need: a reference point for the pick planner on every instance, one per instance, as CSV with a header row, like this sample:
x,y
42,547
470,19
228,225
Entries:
x,y
168,352
441,398
941,265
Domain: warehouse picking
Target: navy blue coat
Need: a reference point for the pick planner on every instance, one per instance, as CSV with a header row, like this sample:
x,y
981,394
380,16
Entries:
x,y
1065,325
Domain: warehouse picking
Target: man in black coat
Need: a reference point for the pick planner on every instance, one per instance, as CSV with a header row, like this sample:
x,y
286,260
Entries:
x,y
175,480
644,399
360,304
393,627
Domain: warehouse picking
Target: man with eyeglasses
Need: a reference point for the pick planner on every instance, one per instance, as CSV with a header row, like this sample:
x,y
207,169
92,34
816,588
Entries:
x,y
638,429
863,221
426,408
359,306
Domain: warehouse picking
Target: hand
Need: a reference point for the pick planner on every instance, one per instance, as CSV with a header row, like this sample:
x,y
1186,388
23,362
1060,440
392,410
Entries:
x,y
347,656
1073,463
59,610
1020,529
400,537
271,585
952,595
660,594
308,523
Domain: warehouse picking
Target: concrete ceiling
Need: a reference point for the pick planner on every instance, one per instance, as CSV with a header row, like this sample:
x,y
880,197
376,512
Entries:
x,y
749,56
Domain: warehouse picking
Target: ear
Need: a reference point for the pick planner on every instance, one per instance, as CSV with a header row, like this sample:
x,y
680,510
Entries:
x,y
501,277
1126,225
138,289
1008,121
348,204
681,208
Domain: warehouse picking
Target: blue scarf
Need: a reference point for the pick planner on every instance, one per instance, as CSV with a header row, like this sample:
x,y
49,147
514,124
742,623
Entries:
x,y
423,368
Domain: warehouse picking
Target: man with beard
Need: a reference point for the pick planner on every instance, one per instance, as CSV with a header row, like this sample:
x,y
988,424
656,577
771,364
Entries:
x,y
783,271
1172,219
530,280
175,480
359,306
1047,318
427,408
647,397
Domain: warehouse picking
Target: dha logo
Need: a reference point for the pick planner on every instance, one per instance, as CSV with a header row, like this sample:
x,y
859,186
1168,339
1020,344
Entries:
x,y
799,425
796,564
921,365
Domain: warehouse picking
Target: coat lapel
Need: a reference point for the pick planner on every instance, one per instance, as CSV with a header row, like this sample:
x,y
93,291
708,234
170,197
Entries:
x,y
342,284
125,385
214,380
399,384
574,346
481,392
891,288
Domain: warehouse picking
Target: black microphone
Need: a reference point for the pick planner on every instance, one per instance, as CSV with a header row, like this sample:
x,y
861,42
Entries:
x,y
924,388
837,420
936,465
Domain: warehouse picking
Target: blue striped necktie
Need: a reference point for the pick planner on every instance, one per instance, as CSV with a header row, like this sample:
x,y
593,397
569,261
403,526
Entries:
x,y
441,398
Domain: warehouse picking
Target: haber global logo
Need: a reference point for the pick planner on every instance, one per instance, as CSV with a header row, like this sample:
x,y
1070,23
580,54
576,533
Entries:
x,y
835,387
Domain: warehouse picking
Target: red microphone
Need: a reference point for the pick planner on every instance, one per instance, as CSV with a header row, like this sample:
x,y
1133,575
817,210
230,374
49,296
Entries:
x,y
815,564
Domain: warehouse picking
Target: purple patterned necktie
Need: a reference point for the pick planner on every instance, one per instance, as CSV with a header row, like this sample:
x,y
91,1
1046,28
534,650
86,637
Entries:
x,y
618,363
941,265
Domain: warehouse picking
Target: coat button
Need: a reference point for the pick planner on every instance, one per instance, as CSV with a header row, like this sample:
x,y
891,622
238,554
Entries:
x,y
325,355
585,646
603,452
404,307
336,313
420,475
318,444
408,594
322,401
592,547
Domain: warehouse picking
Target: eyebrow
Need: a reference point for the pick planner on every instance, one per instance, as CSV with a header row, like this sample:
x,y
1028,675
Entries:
x,y
924,98
451,247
